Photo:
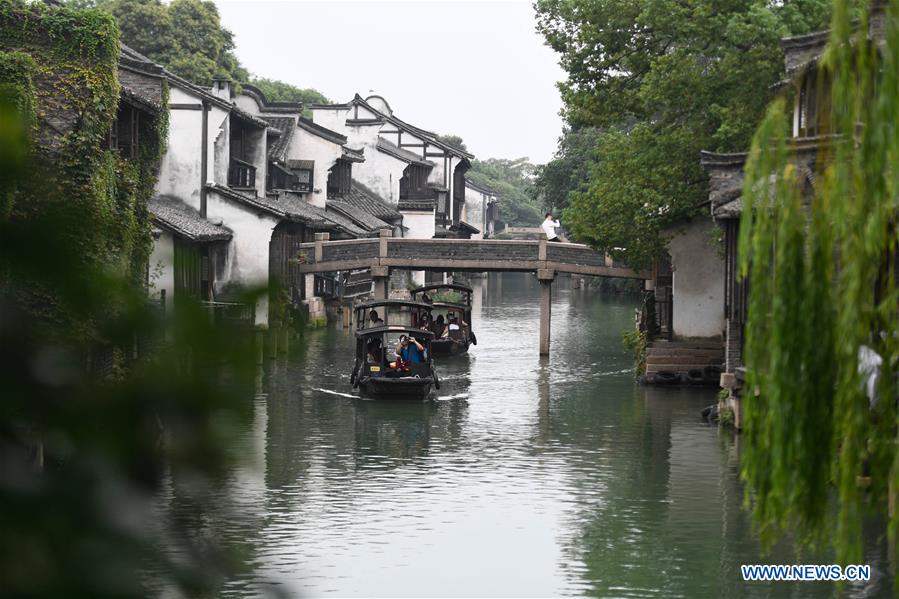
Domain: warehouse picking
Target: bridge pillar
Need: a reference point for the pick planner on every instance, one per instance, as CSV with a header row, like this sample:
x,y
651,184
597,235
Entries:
x,y
545,276
381,277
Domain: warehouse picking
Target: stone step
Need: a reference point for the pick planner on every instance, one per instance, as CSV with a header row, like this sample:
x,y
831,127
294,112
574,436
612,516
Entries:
x,y
654,368
687,344
655,351
653,359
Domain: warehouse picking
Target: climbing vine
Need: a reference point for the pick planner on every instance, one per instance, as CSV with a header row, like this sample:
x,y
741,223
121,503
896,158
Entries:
x,y
820,257
61,68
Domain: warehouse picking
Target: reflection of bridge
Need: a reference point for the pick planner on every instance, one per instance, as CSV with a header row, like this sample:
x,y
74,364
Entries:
x,y
543,258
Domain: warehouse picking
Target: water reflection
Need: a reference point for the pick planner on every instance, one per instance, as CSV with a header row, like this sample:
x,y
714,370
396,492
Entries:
x,y
524,477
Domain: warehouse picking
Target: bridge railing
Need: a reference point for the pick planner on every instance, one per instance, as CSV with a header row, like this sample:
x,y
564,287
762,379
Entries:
x,y
461,250
456,254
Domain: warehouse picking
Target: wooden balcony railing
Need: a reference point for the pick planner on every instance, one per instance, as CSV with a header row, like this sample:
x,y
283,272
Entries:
x,y
241,174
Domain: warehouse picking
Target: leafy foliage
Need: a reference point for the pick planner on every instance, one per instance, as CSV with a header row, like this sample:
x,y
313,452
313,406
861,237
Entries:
x,y
85,457
184,35
661,80
569,171
278,91
513,182
454,141
822,270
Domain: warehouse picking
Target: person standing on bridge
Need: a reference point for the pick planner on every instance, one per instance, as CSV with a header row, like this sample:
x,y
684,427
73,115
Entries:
x,y
550,226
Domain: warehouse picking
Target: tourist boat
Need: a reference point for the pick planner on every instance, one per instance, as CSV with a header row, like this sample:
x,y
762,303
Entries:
x,y
375,374
449,300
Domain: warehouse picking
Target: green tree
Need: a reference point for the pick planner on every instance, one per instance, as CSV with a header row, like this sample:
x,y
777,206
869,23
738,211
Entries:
x,y
513,182
185,35
278,91
664,79
821,265
86,456
570,169
454,141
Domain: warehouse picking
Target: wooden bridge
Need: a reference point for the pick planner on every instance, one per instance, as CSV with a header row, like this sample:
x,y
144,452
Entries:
x,y
488,255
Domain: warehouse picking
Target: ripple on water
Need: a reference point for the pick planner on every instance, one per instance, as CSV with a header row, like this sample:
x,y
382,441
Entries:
x,y
525,476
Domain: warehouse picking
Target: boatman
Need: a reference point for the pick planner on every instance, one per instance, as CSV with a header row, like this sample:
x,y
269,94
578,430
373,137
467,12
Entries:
x,y
550,226
410,350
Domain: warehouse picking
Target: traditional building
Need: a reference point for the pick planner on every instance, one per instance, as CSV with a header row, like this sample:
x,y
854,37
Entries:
x,y
810,134
480,209
411,168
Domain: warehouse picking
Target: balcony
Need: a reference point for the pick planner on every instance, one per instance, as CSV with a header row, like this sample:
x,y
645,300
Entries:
x,y
241,175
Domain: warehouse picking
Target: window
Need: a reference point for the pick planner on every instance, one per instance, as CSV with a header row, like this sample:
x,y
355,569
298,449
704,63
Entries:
x,y
340,178
814,104
124,135
414,183
302,172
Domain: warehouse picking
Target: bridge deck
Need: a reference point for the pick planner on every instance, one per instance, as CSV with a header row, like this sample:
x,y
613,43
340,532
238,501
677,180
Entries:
x,y
458,255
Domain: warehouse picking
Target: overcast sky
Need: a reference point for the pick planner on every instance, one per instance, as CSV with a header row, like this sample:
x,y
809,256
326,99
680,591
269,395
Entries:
x,y
474,68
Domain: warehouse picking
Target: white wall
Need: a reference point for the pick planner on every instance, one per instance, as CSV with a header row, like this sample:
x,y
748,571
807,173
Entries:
x,y
247,264
306,146
420,224
474,210
162,269
698,280
333,119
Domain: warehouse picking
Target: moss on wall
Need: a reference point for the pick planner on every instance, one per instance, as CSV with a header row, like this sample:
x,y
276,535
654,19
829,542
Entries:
x,y
60,71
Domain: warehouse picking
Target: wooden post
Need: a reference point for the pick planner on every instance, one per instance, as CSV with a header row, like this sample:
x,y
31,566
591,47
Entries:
x,y
260,342
381,277
383,235
545,276
320,238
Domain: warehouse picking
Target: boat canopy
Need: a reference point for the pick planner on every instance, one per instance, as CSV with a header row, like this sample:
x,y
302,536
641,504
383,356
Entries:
x,y
392,313
442,290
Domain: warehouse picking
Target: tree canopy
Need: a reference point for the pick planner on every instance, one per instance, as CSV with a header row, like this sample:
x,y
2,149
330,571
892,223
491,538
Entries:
x,y
662,79
513,182
184,35
187,37
279,91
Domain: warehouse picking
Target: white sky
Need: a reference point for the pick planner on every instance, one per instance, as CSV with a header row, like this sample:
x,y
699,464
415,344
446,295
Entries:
x,y
474,68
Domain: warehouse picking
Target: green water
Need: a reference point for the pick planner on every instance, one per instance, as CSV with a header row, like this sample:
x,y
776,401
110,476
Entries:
x,y
523,477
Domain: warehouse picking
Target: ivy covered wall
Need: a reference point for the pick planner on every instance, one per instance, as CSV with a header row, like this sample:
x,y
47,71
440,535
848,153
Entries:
x,y
59,68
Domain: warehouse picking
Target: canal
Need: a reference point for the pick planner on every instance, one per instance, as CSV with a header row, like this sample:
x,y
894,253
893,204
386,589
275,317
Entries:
x,y
526,476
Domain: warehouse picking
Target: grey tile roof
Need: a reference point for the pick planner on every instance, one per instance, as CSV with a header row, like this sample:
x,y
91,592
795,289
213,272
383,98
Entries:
x,y
417,204
277,150
429,136
245,116
174,215
290,206
320,131
345,224
353,155
365,199
397,152
360,217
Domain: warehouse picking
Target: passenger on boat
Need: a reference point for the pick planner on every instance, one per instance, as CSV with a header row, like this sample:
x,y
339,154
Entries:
x,y
410,350
426,298
425,322
439,328
374,351
374,320
454,330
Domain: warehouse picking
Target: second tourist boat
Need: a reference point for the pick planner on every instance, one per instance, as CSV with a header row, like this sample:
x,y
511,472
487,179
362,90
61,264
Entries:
x,y
450,317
